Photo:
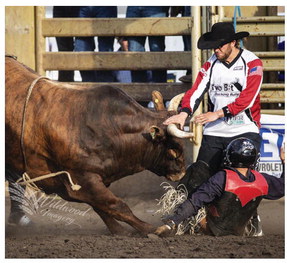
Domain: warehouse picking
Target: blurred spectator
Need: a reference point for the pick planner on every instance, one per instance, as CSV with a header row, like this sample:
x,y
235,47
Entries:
x,y
156,43
184,11
186,38
65,43
104,43
281,74
123,76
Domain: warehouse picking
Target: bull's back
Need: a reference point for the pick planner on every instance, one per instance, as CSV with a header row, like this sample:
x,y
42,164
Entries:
x,y
106,105
17,73
114,107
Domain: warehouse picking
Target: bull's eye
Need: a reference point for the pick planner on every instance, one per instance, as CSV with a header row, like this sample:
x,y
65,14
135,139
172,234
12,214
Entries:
x,y
173,153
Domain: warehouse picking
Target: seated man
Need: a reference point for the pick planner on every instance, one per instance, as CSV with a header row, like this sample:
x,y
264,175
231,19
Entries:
x,y
232,195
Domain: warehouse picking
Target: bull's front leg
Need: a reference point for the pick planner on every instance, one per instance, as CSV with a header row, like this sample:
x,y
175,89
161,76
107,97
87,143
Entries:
x,y
113,225
108,206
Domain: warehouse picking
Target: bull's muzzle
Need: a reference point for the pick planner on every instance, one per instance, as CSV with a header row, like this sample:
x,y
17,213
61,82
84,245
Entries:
x,y
176,177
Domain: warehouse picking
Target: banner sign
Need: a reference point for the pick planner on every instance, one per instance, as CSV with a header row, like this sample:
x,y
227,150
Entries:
x,y
272,132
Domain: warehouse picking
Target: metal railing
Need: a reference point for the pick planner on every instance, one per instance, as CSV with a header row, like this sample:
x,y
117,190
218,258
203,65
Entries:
x,y
273,61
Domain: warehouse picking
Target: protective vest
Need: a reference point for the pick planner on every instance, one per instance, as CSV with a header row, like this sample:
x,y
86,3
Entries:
x,y
230,214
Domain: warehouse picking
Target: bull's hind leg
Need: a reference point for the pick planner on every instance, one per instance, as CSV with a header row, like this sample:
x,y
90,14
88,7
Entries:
x,y
17,200
96,194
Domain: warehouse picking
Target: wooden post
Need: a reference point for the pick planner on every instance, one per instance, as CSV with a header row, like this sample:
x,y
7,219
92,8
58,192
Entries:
x,y
196,65
20,33
40,40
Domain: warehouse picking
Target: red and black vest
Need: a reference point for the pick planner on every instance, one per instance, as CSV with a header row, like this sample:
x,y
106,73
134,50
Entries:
x,y
230,214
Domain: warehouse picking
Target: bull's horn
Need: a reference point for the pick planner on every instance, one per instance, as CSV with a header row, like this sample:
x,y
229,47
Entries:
x,y
174,102
172,128
157,100
176,132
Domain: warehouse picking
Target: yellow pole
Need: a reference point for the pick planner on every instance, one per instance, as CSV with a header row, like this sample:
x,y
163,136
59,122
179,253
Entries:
x,y
40,40
220,13
196,65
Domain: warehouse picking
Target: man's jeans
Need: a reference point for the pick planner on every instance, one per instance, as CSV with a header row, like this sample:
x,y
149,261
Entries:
x,y
156,43
104,43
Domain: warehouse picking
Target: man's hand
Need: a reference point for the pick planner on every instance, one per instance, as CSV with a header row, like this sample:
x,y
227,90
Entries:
x,y
177,119
208,117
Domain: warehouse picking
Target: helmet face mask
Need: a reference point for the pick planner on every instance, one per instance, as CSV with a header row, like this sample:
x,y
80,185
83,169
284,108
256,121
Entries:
x,y
241,153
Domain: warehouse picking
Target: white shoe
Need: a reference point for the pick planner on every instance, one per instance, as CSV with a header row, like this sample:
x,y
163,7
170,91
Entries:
x,y
24,221
254,227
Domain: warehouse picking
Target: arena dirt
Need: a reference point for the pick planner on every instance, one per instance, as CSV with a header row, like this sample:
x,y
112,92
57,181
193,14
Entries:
x,y
71,230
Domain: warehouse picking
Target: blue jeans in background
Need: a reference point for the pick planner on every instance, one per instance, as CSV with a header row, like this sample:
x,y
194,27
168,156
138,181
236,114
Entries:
x,y
187,38
104,43
65,43
156,43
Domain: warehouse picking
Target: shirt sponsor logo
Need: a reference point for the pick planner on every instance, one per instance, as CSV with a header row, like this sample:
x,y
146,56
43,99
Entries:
x,y
228,89
238,68
235,120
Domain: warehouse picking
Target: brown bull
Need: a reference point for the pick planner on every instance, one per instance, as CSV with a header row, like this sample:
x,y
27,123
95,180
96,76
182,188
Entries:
x,y
97,134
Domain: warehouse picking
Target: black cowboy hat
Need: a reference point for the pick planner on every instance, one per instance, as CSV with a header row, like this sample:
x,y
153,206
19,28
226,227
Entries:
x,y
221,33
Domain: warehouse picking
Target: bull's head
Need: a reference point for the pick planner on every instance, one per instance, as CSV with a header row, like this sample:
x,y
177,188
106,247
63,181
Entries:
x,y
170,137
168,158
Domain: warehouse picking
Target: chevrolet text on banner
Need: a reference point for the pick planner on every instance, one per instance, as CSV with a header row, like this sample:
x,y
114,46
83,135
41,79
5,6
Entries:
x,y
273,133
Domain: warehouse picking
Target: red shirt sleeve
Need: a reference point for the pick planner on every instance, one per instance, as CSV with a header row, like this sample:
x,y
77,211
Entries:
x,y
187,97
249,95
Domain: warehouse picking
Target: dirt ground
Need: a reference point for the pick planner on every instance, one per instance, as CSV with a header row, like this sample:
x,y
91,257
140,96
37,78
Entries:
x,y
71,230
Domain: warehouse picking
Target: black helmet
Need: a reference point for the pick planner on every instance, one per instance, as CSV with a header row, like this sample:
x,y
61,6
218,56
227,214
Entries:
x,y
241,153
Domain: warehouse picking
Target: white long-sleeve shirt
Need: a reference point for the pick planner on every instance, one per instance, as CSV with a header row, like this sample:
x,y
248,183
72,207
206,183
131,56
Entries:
x,y
232,87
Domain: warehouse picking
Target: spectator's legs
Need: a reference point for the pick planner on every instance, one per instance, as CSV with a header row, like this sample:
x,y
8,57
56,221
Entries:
x,y
105,44
137,44
187,39
156,43
65,44
86,44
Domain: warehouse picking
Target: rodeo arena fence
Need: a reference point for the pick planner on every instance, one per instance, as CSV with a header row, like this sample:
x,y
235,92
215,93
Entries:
x,y
268,29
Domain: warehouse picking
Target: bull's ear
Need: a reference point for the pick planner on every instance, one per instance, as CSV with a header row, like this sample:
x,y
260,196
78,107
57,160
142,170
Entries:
x,y
173,153
157,133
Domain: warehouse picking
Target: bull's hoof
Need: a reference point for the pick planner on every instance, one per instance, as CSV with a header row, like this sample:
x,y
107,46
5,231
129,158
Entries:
x,y
148,231
152,236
